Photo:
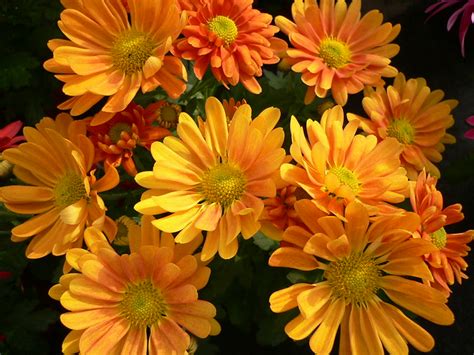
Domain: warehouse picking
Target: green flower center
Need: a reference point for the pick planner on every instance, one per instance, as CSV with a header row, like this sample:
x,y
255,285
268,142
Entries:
x,y
439,238
354,278
223,184
116,131
168,114
224,28
335,53
143,304
346,177
69,189
402,130
131,50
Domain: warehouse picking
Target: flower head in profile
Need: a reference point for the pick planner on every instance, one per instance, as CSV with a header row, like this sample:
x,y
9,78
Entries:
x,y
363,264
211,178
116,139
447,261
9,137
144,302
164,113
112,53
337,166
231,38
466,12
335,49
60,191
413,114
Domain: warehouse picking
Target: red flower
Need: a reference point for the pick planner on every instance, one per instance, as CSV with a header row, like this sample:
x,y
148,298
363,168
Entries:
x,y
8,135
470,132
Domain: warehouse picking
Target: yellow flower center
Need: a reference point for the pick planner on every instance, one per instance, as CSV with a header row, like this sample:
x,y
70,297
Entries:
x,y
223,184
335,53
69,189
402,130
131,50
439,238
117,129
354,278
346,177
143,304
224,28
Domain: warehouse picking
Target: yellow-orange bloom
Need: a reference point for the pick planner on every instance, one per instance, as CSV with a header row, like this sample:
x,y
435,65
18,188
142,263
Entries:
x,y
360,263
61,191
112,53
335,49
164,113
337,166
232,38
137,303
210,178
447,261
413,114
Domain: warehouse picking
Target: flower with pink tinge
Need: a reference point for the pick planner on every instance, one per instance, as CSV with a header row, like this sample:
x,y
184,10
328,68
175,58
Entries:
x,y
8,135
470,132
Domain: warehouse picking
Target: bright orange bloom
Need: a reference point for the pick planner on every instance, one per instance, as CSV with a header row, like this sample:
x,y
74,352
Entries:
x,y
360,263
337,50
413,114
116,139
212,179
164,113
140,303
112,53
61,191
232,38
336,166
446,262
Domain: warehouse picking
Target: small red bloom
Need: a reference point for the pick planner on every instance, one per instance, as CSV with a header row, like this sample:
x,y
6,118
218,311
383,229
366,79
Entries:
x,y
470,132
5,275
8,135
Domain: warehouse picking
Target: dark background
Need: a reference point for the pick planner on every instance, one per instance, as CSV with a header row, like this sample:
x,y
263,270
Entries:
x,y
27,92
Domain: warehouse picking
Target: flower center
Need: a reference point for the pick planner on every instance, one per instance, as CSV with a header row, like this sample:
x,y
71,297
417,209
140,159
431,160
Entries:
x,y
223,184
168,114
354,278
346,177
69,189
224,28
121,237
439,238
131,50
143,304
402,130
117,129
335,53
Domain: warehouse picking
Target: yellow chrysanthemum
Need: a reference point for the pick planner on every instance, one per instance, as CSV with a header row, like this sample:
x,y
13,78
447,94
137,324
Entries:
x,y
112,53
140,303
335,49
210,178
337,166
61,191
363,264
413,114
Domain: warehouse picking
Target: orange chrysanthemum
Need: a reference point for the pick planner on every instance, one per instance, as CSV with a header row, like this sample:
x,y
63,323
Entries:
x,y
232,38
140,303
164,113
116,139
362,264
337,166
61,191
109,55
446,262
337,50
211,179
413,114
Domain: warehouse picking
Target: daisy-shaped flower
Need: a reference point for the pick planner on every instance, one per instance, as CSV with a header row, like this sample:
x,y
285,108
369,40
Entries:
x,y
364,264
413,114
61,191
447,261
164,113
211,178
232,38
110,53
116,139
138,303
335,49
337,166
